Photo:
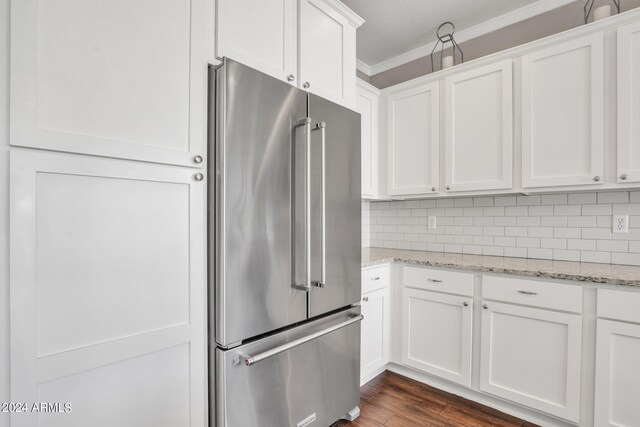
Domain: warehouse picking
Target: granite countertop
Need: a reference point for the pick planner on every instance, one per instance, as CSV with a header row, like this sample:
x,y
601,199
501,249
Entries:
x,y
610,274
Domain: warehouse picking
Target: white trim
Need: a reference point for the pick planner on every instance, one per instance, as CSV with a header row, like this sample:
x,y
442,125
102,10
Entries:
x,y
353,18
367,86
509,18
363,67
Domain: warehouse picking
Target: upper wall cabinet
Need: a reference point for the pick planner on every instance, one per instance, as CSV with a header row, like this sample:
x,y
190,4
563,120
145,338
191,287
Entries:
x,y
562,114
328,50
629,103
413,139
261,34
479,133
110,78
368,103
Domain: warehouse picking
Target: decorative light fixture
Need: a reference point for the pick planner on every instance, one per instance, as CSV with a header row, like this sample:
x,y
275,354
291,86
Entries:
x,y
445,36
601,12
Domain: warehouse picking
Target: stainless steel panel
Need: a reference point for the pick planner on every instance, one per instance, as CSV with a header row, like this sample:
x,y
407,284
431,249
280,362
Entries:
x,y
342,213
318,377
256,119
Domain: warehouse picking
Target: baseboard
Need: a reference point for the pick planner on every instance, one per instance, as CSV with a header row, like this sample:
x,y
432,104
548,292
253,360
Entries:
x,y
372,375
476,396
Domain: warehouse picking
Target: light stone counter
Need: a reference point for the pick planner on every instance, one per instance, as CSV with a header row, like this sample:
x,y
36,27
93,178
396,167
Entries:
x,y
610,274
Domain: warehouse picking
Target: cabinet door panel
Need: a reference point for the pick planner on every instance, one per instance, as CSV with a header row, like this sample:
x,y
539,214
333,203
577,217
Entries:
x,y
110,78
437,334
260,34
563,114
376,328
617,374
107,288
532,357
629,103
413,141
368,109
479,135
327,52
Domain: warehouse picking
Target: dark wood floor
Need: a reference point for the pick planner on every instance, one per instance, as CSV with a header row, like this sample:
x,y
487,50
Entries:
x,y
392,400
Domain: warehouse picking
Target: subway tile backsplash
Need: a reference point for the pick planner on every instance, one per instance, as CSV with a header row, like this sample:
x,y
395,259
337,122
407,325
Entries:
x,y
568,227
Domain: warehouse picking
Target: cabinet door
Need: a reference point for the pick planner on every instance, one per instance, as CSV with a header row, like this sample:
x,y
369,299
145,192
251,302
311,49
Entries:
x,y
629,103
108,291
327,52
479,131
563,114
617,374
532,357
260,34
413,140
118,78
376,328
437,334
368,109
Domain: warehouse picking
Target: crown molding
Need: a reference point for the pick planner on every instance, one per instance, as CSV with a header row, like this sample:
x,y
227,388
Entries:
x,y
365,68
351,16
518,15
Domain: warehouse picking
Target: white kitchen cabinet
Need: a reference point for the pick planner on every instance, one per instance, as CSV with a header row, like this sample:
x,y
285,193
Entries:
x,y
376,330
110,78
533,357
108,290
437,334
368,106
479,130
617,375
327,62
413,140
563,114
261,34
629,103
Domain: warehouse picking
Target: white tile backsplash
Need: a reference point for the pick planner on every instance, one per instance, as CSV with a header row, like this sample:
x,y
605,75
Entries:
x,y
573,227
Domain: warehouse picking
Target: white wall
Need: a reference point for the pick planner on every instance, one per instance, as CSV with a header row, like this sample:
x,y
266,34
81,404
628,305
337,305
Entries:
x,y
4,207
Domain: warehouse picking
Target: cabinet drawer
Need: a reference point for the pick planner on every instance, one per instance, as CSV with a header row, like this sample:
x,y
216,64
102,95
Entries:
x,y
375,278
438,280
554,296
619,305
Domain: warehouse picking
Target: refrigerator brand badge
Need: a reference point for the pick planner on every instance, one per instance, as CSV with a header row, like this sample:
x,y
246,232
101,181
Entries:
x,y
307,421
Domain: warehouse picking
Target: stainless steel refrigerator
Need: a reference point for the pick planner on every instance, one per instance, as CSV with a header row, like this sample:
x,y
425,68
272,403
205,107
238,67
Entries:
x,y
284,248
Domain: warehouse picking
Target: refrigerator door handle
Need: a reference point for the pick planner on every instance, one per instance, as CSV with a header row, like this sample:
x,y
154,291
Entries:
x,y
306,286
322,126
252,360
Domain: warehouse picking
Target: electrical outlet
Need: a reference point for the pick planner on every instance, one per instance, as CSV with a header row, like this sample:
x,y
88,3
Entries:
x,y
431,222
621,224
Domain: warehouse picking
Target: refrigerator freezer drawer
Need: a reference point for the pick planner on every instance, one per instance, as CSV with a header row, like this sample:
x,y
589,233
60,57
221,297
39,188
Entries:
x,y
307,376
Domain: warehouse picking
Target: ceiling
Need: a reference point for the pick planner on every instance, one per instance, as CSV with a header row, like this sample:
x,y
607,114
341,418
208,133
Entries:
x,y
394,27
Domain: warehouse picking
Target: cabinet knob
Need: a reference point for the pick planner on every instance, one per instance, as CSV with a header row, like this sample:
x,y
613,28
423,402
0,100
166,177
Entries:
x,y
466,304
624,176
448,187
596,178
433,188
198,159
485,306
291,78
306,85
199,176
365,299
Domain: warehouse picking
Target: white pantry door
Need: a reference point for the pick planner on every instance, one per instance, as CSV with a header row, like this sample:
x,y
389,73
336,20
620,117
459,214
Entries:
x,y
413,140
118,78
261,34
108,291
617,374
479,128
629,103
563,114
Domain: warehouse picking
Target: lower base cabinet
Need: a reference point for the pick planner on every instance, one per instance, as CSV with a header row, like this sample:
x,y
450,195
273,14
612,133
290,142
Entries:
x,y
376,331
437,334
532,357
